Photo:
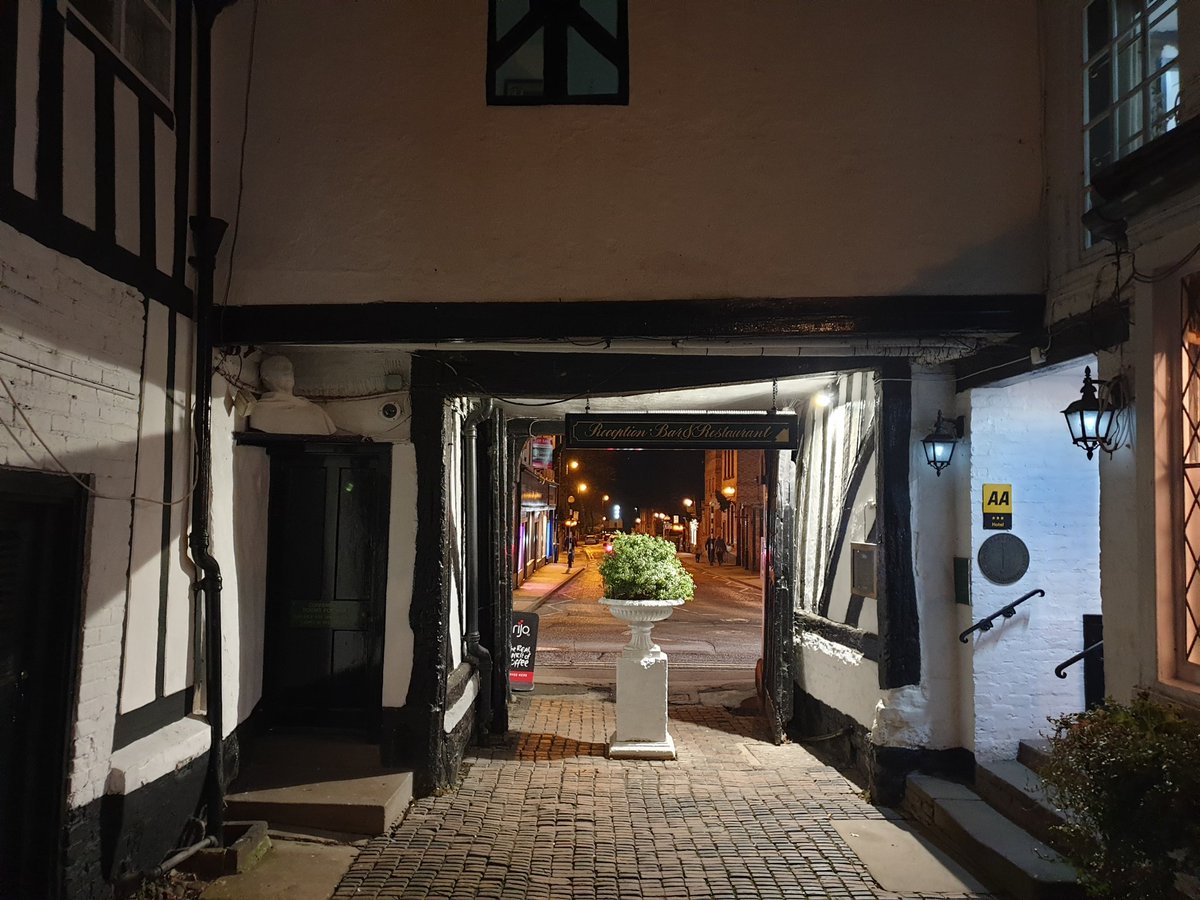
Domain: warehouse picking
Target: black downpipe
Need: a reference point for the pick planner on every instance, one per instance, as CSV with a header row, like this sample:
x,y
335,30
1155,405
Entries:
x,y
206,237
476,652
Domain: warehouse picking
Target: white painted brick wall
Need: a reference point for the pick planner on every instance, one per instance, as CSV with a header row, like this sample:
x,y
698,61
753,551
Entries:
x,y
1018,436
71,352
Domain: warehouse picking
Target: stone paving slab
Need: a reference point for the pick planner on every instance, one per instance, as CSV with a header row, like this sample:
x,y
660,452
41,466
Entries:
x,y
545,815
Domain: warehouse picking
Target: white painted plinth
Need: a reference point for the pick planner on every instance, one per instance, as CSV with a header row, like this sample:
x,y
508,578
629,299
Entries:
x,y
641,685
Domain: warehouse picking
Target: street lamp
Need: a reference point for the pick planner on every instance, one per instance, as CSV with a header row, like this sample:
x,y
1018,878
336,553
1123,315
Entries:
x,y
573,465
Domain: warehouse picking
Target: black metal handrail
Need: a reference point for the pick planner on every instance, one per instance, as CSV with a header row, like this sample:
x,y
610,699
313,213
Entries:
x,y
1007,612
1060,669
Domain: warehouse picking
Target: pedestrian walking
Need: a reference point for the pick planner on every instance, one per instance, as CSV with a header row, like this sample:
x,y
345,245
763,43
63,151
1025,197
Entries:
x,y
570,553
721,551
710,547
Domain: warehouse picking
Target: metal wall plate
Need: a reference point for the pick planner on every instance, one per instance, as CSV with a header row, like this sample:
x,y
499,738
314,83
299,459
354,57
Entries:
x,y
1003,558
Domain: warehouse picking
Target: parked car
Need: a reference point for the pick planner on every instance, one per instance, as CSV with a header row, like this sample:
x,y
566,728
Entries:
x,y
591,539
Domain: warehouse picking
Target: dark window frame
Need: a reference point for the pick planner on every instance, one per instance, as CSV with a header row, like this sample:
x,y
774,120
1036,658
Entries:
x,y
556,17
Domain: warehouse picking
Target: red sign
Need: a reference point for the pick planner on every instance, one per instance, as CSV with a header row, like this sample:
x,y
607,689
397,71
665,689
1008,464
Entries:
x,y
541,452
524,645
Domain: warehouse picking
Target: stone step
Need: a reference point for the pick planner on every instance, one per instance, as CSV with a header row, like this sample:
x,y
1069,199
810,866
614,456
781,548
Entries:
x,y
1002,854
366,805
319,783
1033,753
1020,794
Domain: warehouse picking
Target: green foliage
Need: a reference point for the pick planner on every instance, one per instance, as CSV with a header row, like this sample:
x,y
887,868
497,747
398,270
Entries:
x,y
1130,778
642,567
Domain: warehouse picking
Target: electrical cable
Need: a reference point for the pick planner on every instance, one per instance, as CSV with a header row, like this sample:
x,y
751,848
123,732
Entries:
x,y
237,211
1144,278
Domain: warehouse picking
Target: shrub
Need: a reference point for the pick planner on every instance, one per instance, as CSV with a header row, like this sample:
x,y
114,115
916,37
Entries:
x,y
1129,779
642,567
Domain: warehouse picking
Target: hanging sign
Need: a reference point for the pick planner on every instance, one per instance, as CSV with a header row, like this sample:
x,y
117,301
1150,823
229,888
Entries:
x,y
541,452
997,507
712,431
524,646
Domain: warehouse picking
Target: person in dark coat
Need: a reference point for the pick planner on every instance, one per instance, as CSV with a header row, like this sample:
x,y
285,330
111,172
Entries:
x,y
720,551
710,547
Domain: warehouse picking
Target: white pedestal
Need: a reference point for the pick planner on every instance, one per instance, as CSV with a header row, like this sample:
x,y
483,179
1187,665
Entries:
x,y
641,708
641,688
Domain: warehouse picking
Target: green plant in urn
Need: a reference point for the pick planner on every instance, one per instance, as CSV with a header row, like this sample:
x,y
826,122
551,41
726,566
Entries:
x,y
642,567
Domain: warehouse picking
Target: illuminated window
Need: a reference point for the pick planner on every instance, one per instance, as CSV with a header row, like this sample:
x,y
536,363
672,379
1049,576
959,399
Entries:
x,y
557,51
1131,79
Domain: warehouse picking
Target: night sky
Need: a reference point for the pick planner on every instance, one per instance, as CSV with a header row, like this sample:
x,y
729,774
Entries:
x,y
648,479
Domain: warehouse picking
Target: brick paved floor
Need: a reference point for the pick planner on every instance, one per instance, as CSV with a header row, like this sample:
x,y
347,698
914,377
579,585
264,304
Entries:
x,y
547,816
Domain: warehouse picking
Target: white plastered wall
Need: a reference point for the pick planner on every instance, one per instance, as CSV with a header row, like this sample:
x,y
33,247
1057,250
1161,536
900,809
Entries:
x,y
928,714
456,525
377,172
71,352
1019,437
240,493
1137,528
836,675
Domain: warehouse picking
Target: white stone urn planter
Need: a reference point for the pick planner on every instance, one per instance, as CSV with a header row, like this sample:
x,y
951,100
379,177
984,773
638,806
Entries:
x,y
641,683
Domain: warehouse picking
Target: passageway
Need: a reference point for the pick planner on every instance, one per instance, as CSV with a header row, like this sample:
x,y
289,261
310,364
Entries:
x,y
545,815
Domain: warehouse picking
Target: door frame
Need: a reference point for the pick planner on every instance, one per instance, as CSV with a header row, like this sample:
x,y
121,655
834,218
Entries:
x,y
34,486
381,454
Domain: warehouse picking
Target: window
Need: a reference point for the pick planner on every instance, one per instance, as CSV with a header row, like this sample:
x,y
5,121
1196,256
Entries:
x,y
1187,617
557,51
139,32
1131,79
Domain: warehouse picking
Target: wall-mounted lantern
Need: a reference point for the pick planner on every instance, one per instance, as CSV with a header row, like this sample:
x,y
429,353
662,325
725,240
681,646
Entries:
x,y
939,444
1091,420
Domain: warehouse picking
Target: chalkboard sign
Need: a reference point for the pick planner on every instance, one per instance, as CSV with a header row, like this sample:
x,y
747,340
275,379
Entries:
x,y
524,645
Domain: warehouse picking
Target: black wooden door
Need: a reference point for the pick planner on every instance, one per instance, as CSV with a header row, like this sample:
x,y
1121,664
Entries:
x,y
778,602
326,571
40,527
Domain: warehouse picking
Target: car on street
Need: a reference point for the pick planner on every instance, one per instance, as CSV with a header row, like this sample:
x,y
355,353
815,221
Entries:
x,y
591,539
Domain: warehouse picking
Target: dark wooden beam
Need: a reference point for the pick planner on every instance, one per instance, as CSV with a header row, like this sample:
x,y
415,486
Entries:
x,y
790,317
412,734
559,375
1104,326
899,625
1151,175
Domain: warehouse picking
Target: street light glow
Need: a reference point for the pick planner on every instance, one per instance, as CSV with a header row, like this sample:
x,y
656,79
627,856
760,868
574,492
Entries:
x,y
582,487
573,464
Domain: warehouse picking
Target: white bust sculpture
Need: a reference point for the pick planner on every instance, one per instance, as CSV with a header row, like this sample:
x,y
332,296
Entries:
x,y
279,410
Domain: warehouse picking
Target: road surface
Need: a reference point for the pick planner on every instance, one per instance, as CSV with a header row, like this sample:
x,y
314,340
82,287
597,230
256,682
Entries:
x,y
720,628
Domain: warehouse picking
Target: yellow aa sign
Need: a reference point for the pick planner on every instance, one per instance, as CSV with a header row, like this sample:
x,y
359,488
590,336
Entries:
x,y
997,506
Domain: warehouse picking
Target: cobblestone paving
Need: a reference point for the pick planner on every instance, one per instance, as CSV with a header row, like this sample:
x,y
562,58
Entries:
x,y
545,816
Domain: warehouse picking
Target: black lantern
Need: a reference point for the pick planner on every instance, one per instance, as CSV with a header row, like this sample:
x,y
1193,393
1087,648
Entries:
x,y
939,443
1089,420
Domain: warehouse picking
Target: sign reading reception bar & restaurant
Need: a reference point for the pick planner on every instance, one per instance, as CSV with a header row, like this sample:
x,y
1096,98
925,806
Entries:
x,y
712,431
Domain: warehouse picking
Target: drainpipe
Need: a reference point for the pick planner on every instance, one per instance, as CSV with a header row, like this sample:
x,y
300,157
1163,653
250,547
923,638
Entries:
x,y
476,652
207,234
